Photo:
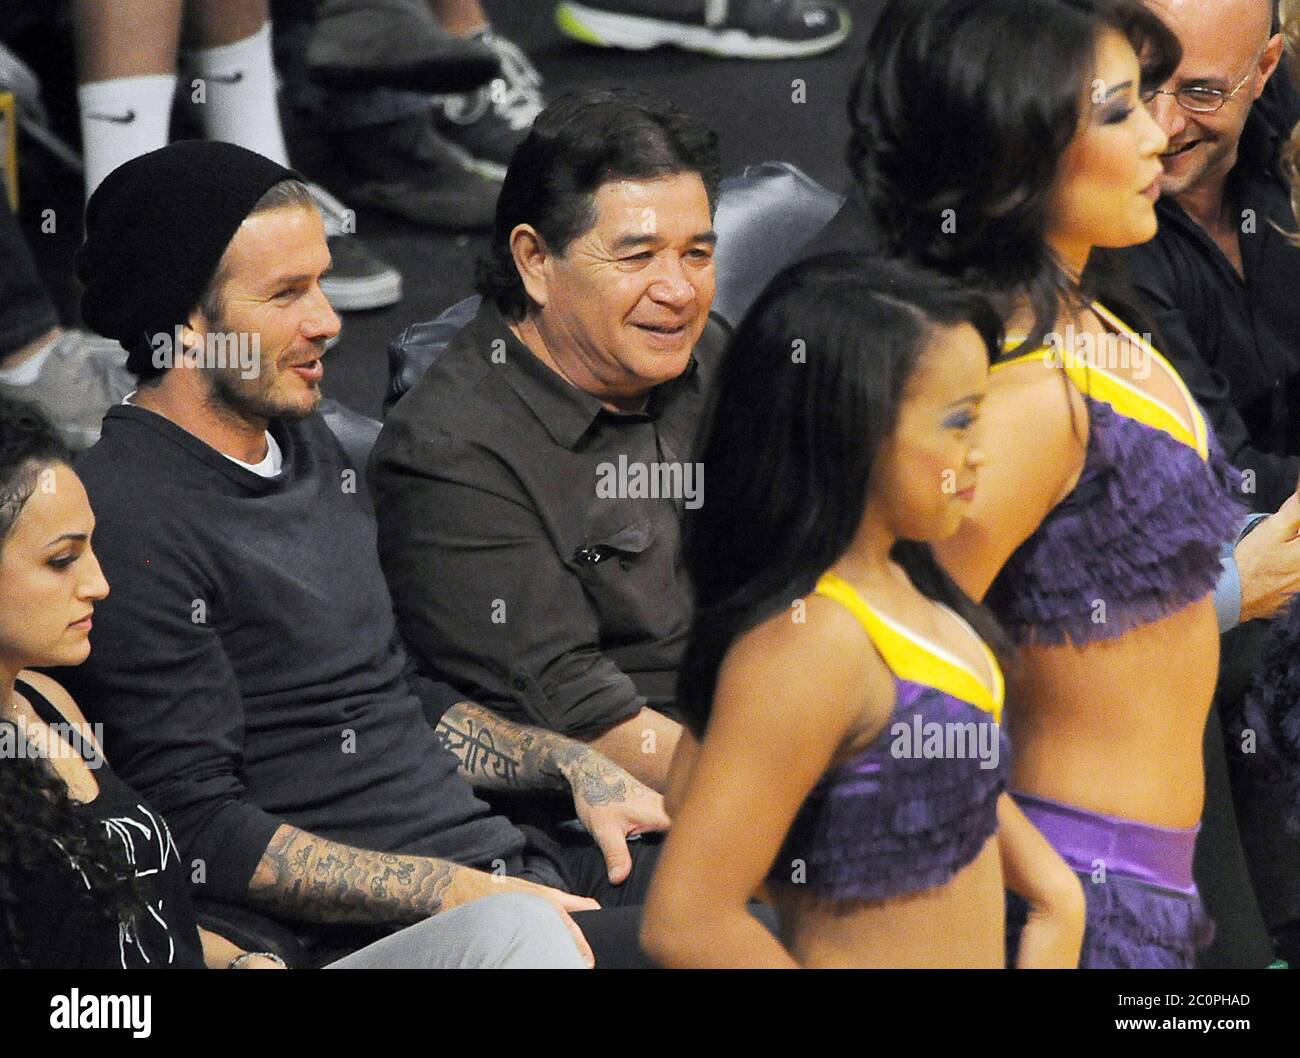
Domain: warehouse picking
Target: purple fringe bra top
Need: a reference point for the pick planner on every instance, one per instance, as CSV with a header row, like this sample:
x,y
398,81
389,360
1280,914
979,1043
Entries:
x,y
918,804
1140,535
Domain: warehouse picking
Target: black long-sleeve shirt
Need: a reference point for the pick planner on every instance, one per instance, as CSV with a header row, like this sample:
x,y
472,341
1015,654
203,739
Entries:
x,y
515,574
1237,342
245,664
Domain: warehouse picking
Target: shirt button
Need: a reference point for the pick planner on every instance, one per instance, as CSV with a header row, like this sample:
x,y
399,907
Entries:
x,y
625,563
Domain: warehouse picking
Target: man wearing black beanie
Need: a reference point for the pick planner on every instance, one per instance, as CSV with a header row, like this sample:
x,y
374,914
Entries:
x,y
246,667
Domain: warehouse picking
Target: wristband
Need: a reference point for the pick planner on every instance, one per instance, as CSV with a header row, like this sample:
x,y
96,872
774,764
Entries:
x,y
243,956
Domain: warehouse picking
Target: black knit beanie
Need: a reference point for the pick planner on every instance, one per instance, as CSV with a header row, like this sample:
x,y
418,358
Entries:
x,y
155,232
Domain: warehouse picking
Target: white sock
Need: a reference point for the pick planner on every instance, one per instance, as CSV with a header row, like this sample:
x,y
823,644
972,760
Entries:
x,y
122,118
239,95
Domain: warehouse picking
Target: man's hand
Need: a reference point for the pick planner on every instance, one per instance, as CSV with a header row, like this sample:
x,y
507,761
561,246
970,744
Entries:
x,y
1268,562
471,885
612,805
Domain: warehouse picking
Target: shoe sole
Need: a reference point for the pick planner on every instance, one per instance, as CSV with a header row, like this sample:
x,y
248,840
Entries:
x,y
492,170
632,32
357,295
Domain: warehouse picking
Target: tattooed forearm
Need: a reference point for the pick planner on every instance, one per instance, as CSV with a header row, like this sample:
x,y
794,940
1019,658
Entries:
x,y
495,752
599,781
488,756
306,877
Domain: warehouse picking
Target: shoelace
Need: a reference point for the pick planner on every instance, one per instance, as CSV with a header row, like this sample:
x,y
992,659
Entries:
x,y
515,96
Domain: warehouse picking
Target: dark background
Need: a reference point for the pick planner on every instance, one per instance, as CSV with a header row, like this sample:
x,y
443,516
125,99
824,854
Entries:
x,y
748,103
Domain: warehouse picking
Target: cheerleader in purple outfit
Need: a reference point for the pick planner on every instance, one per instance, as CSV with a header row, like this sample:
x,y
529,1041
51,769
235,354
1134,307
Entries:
x,y
844,752
1095,538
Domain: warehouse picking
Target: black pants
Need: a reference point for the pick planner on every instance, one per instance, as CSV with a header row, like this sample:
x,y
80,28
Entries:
x,y
26,311
579,867
1261,889
1272,851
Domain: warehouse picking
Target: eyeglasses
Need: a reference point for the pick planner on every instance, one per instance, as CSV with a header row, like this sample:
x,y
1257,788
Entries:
x,y
1199,99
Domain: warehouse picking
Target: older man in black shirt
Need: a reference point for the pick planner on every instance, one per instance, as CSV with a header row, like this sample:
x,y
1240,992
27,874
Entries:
x,y
530,487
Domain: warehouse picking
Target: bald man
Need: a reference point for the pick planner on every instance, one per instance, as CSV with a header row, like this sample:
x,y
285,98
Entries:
x,y
1222,281
1223,287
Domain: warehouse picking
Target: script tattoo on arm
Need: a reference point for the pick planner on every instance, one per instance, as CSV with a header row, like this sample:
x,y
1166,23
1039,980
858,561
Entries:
x,y
496,753
309,878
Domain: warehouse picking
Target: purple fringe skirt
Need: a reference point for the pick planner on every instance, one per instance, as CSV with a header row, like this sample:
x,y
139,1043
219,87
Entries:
x,y
1143,910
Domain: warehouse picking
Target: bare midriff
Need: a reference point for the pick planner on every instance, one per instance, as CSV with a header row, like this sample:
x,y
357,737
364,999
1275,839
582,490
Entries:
x,y
959,924
1116,726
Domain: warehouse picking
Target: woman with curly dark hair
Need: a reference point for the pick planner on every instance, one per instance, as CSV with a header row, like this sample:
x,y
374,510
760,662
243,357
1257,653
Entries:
x,y
90,877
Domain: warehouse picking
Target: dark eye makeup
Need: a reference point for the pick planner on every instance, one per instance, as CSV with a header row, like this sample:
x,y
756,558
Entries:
x,y
1115,114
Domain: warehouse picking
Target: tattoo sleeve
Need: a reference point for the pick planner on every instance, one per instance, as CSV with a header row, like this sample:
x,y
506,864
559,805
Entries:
x,y
309,878
496,753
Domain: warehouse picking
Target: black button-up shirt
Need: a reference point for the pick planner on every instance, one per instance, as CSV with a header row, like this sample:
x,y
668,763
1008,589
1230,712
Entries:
x,y
1237,343
534,560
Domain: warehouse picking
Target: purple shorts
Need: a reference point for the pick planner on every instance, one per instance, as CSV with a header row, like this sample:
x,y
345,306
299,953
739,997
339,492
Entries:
x,y
1143,910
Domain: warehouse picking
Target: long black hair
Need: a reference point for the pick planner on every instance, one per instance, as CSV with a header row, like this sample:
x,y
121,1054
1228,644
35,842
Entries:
x,y
42,835
806,395
961,112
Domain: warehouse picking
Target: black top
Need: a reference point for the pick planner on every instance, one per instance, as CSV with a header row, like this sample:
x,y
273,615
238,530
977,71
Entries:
x,y
246,666
1237,344
532,560
60,929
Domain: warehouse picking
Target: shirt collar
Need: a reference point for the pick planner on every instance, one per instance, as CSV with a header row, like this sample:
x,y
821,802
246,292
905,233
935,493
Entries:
x,y
1258,148
566,411
1257,160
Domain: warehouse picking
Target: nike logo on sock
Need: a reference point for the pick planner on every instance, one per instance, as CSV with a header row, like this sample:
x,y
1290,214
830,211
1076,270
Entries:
x,y
233,78
117,119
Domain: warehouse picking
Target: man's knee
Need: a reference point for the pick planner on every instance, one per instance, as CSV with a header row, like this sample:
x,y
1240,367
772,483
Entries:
x,y
517,931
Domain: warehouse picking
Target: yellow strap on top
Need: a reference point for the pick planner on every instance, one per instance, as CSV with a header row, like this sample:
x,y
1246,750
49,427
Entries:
x,y
911,660
1127,399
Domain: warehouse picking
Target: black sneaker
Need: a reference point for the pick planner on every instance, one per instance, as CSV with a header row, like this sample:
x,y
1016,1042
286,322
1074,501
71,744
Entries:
x,y
493,121
407,169
394,44
743,29
358,279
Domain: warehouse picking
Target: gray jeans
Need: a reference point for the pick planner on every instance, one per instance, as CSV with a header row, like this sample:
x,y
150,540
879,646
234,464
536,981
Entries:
x,y
508,931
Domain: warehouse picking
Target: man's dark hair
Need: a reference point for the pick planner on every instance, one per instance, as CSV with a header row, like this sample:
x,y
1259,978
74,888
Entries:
x,y
579,142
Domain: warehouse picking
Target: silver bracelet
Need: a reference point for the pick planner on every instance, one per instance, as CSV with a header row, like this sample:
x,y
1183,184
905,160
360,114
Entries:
x,y
240,959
